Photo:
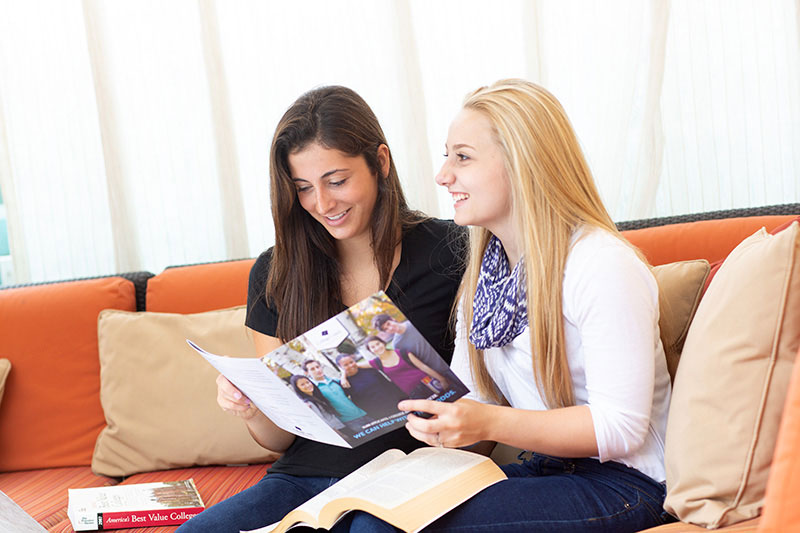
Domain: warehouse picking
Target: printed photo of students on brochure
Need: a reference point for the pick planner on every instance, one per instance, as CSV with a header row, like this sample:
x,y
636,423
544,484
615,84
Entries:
x,y
353,369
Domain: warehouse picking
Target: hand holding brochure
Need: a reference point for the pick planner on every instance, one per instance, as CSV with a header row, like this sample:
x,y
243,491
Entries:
x,y
340,382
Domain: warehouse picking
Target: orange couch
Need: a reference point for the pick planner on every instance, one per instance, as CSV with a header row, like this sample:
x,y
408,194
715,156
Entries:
x,y
51,415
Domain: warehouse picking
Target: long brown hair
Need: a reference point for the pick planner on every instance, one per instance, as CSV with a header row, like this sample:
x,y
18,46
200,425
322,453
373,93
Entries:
x,y
553,193
304,277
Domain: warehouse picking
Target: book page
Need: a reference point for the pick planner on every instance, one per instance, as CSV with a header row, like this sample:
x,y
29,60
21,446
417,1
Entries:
x,y
418,472
269,393
343,486
393,480
136,497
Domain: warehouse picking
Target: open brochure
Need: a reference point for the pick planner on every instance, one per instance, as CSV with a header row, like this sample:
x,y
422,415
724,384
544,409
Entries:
x,y
340,382
407,491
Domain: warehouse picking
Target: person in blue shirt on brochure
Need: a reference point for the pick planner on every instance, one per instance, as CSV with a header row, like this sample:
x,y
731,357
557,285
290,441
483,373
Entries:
x,y
310,394
557,331
352,415
343,231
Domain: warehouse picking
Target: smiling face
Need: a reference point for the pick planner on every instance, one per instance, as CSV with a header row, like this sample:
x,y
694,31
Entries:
x,y
305,386
376,347
337,190
390,326
349,366
314,369
474,174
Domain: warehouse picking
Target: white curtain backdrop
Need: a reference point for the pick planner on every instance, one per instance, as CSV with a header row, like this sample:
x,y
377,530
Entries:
x,y
134,134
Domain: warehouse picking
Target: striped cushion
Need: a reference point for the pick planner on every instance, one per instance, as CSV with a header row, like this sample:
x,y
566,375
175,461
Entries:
x,y
215,483
43,493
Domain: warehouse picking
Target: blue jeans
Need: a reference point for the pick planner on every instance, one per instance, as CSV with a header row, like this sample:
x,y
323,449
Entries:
x,y
551,494
543,494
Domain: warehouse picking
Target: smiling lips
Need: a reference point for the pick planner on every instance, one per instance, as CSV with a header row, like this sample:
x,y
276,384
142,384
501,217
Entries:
x,y
459,196
337,218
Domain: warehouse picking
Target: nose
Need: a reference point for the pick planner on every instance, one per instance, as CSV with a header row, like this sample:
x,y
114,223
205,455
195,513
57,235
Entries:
x,y
445,175
324,201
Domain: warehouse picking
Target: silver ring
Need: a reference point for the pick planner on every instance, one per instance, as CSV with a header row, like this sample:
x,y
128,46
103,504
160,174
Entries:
x,y
438,441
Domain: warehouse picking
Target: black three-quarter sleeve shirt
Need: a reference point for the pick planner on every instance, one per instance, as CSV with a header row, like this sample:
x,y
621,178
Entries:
x,y
423,287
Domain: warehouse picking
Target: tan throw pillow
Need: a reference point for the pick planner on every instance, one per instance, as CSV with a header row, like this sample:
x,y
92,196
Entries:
x,y
681,285
5,368
159,396
731,384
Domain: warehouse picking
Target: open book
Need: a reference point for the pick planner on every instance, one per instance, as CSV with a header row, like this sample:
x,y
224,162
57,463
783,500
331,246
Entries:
x,y
340,382
407,491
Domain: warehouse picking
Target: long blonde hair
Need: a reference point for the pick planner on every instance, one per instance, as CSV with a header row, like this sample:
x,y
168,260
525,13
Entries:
x,y
553,193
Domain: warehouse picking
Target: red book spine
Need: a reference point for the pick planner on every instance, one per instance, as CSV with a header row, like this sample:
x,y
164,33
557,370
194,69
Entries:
x,y
162,517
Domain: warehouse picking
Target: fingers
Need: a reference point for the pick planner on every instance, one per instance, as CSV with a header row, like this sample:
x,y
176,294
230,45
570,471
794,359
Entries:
x,y
425,406
430,439
230,398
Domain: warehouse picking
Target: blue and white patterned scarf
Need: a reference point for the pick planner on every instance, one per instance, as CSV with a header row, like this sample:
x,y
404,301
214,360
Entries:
x,y
500,309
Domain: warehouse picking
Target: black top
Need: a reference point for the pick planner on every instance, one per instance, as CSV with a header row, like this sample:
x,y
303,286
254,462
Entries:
x,y
423,287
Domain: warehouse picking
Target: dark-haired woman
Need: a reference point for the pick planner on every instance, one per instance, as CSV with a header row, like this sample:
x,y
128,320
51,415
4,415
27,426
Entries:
x,y
313,398
414,377
343,231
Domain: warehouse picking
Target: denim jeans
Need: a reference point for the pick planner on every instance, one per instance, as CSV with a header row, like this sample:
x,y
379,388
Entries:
x,y
547,493
542,494
266,502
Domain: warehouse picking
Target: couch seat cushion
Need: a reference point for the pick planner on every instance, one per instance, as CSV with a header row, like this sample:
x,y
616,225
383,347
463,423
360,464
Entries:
x,y
43,493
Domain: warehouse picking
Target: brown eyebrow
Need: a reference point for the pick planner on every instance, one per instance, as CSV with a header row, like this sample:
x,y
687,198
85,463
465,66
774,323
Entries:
x,y
462,145
326,175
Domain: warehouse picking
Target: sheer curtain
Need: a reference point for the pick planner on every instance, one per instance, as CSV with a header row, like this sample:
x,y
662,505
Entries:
x,y
134,134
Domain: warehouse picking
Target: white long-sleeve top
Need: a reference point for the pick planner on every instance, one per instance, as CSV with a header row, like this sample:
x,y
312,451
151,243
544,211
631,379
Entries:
x,y
617,363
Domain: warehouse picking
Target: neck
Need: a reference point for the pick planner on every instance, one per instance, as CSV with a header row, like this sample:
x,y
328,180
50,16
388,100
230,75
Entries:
x,y
511,246
355,251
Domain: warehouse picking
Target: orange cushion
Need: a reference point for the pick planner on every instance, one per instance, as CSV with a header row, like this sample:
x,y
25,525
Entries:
x,y
705,239
717,264
43,493
781,509
199,288
51,412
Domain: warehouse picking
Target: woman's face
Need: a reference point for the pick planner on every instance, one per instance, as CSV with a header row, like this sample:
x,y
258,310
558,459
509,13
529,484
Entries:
x,y
376,347
474,174
339,191
305,386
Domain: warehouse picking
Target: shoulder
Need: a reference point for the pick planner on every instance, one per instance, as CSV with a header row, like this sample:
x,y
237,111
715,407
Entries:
x,y
437,230
440,245
260,271
601,264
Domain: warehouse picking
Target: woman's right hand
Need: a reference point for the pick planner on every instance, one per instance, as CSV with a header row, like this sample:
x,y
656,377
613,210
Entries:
x,y
233,401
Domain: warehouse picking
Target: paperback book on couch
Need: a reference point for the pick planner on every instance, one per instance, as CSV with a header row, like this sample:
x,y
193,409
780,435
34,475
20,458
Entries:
x,y
163,503
340,382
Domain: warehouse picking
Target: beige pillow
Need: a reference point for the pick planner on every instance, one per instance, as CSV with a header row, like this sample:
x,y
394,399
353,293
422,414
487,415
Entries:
x,y
681,285
732,381
5,368
159,395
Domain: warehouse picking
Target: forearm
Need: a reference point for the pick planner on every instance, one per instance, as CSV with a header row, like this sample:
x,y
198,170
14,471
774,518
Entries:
x,y
267,434
565,432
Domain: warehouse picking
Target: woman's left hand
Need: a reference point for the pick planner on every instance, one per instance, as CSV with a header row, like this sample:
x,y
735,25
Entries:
x,y
454,425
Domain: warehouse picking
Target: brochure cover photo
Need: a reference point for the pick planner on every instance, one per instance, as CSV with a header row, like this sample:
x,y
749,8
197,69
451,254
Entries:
x,y
340,381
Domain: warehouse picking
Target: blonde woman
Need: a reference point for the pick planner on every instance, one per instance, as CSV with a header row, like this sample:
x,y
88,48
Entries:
x,y
557,331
